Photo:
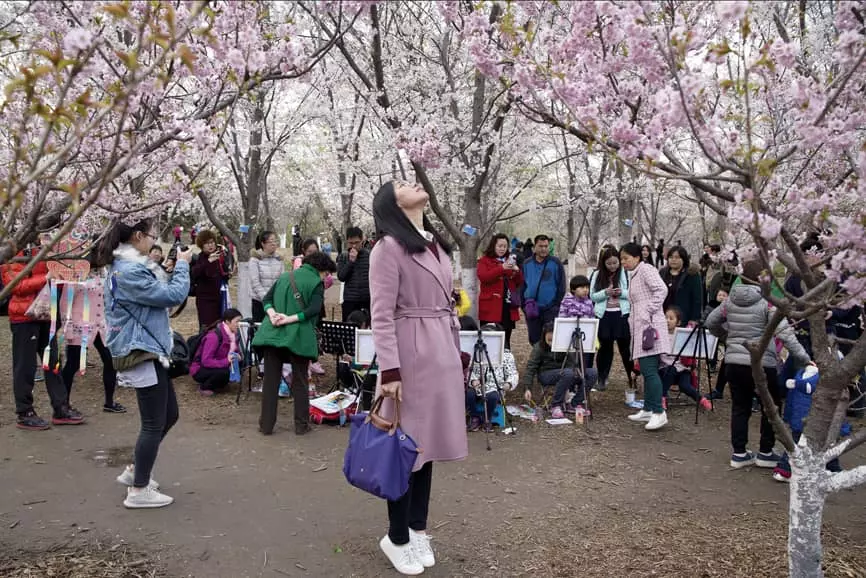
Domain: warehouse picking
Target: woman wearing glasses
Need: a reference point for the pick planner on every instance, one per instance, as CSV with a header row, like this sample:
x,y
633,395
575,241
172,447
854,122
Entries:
x,y
138,294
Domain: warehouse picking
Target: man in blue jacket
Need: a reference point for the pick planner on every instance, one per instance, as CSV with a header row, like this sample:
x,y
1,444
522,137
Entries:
x,y
543,282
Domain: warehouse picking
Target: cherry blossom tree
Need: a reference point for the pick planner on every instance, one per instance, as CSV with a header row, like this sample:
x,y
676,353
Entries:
x,y
113,108
758,108
412,65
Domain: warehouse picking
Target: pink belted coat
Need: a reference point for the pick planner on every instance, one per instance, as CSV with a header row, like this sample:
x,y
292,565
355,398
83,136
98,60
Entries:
x,y
415,330
647,292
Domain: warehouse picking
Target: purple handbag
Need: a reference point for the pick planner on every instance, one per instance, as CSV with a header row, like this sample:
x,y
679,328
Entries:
x,y
380,455
648,339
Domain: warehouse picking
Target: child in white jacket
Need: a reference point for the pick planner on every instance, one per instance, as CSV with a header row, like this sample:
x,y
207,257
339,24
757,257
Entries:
x,y
505,375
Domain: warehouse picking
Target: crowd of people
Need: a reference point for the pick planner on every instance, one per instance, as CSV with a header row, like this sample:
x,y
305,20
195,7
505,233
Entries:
x,y
401,286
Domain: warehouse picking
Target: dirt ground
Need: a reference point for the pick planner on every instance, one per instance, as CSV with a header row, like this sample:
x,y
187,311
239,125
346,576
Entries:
x,y
612,500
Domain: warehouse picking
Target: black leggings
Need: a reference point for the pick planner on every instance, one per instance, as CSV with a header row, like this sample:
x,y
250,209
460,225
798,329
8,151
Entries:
x,y
212,379
410,511
157,406
73,364
605,356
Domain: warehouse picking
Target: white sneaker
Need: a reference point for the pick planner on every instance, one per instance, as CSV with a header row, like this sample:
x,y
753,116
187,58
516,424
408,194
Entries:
x,y
402,557
423,550
657,421
642,415
146,498
127,478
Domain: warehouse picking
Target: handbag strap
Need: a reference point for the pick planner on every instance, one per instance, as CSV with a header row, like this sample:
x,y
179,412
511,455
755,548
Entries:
x,y
380,422
143,326
540,277
299,299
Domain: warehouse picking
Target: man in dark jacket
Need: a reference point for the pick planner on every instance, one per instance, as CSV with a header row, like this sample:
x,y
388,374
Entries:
x,y
353,269
543,282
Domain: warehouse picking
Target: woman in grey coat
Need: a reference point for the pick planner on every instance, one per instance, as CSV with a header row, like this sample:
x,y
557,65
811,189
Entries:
x,y
747,314
266,266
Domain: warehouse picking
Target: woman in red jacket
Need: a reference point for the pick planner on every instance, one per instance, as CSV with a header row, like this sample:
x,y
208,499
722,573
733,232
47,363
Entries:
x,y
499,277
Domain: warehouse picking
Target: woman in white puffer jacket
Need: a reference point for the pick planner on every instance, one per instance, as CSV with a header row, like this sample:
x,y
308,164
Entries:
x,y
266,265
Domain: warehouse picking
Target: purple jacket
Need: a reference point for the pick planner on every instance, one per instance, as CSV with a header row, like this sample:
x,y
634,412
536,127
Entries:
x,y
214,355
572,306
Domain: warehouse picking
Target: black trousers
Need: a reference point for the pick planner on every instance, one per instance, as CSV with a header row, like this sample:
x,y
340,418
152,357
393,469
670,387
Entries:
x,y
258,311
274,358
157,407
605,356
29,340
349,307
410,511
534,326
742,393
212,378
73,364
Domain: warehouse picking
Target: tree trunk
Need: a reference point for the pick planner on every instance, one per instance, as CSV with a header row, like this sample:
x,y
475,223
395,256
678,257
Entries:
x,y
594,237
469,272
805,512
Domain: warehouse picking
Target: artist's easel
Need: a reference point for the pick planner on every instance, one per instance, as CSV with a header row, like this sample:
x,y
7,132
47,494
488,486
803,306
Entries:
x,y
701,350
581,335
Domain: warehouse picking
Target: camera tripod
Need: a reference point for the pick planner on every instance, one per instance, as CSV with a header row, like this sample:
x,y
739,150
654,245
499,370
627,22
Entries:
x,y
481,361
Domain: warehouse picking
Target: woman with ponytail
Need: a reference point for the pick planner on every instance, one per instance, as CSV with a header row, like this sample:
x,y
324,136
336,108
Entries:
x,y
138,294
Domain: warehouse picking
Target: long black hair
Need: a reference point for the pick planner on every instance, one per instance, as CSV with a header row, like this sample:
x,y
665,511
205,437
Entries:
x,y
119,233
649,257
603,277
391,220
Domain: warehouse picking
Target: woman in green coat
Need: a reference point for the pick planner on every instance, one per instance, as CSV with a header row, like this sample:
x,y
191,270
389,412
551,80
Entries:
x,y
287,335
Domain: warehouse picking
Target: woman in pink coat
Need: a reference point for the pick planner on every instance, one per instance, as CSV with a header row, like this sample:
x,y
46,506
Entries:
x,y
415,333
647,292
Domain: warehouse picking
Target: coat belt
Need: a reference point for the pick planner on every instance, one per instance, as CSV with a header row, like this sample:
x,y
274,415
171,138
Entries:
x,y
423,312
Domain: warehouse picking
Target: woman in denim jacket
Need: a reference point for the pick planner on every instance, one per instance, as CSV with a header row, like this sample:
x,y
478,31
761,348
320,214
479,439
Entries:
x,y
138,294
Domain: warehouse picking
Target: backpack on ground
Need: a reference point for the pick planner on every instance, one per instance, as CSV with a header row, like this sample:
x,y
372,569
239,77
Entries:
x,y
180,357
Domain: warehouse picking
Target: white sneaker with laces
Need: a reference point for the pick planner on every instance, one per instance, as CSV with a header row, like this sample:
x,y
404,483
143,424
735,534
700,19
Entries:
x,y
657,421
423,549
127,478
402,557
146,498
642,415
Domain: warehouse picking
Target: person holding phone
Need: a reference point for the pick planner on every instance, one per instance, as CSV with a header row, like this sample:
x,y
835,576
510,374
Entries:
x,y
138,295
208,275
609,293
500,279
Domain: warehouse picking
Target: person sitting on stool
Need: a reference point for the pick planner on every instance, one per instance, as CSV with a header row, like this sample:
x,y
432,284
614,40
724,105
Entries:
x,y
505,375
211,365
552,370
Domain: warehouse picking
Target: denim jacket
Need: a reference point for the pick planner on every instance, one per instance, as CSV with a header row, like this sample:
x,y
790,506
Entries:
x,y
137,295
